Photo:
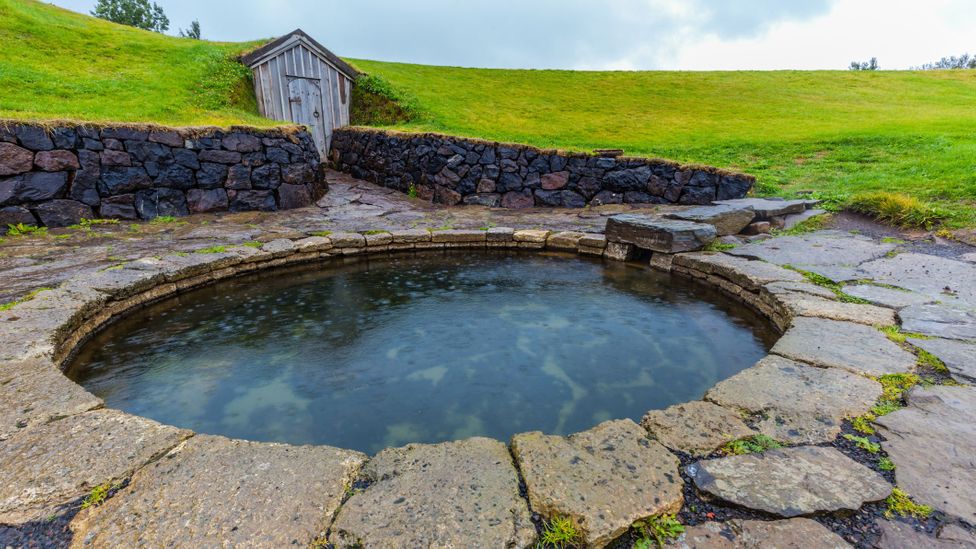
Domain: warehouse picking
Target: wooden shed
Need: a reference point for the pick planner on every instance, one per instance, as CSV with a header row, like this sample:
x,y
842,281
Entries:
x,y
299,80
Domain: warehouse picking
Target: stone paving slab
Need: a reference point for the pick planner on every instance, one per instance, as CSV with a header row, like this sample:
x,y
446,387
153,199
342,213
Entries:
x,y
751,275
790,482
454,494
958,356
726,219
796,402
766,208
834,254
697,428
898,535
606,478
34,393
804,304
50,465
936,277
886,297
933,445
940,321
794,533
853,347
212,491
657,234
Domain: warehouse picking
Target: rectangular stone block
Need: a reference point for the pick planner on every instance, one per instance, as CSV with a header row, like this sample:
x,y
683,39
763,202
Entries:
x,y
410,236
378,239
565,240
501,234
617,251
458,235
531,235
659,234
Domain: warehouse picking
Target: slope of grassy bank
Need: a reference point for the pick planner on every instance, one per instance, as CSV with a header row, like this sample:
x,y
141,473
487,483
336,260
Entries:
x,y
834,132
58,64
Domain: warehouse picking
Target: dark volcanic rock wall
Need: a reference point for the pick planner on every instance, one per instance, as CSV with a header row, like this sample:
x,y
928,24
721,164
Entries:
x,y
57,176
454,170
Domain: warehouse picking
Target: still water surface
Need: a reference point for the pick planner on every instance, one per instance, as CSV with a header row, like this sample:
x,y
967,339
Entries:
x,y
422,348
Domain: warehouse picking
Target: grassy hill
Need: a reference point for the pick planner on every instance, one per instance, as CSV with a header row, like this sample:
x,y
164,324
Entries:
x,y
55,63
837,133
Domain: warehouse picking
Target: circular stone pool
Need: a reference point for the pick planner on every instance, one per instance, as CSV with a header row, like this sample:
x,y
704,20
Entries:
x,y
384,351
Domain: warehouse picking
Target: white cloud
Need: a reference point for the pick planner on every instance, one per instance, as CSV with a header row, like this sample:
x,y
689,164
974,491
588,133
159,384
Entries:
x,y
614,34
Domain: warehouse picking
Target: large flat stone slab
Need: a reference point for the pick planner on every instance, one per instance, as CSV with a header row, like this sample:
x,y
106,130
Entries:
x,y
899,535
606,478
454,494
697,428
726,219
933,444
836,255
657,234
794,533
797,402
804,304
938,278
36,392
958,356
751,275
59,462
212,491
790,482
765,207
940,321
846,345
886,297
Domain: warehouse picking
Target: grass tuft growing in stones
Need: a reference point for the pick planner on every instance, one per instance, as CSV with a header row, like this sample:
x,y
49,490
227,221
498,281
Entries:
x,y
321,233
21,229
901,504
825,282
31,295
97,496
864,444
657,530
212,250
885,464
754,444
252,244
716,246
926,359
163,219
560,533
816,223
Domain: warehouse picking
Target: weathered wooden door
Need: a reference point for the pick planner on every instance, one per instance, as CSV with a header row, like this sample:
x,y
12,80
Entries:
x,y
305,97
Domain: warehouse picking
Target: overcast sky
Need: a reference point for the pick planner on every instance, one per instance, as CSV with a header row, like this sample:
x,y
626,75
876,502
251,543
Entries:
x,y
612,34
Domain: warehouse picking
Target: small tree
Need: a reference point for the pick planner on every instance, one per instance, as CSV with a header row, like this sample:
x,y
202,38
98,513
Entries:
x,y
135,13
193,31
964,61
871,65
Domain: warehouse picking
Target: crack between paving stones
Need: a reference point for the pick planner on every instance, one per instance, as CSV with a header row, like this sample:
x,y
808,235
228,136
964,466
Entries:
x,y
523,491
349,494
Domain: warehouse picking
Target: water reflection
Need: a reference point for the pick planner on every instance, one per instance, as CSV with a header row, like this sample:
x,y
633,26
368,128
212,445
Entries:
x,y
424,348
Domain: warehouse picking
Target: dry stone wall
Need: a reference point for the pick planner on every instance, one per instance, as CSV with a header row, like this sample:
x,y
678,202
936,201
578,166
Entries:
x,y
56,176
453,170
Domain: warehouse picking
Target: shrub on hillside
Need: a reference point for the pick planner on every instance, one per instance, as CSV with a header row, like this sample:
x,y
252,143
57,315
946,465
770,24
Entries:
x,y
135,13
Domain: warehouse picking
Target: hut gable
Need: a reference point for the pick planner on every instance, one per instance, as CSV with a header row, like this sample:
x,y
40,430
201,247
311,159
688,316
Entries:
x,y
297,79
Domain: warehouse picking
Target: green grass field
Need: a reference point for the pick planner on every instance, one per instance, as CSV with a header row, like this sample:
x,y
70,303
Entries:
x,y
58,64
836,133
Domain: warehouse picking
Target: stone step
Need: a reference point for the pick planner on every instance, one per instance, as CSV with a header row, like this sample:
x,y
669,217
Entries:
x,y
766,208
725,218
657,234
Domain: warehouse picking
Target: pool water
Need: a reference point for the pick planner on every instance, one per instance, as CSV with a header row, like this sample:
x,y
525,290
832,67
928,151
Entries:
x,y
431,347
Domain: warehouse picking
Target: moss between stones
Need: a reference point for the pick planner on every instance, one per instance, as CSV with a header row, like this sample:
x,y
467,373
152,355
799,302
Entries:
x,y
26,298
900,503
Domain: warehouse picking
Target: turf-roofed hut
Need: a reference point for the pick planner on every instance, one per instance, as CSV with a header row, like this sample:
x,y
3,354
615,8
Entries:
x,y
298,79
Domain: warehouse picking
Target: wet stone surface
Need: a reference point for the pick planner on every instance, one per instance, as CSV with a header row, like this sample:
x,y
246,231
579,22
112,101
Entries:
x,y
795,533
606,478
696,428
454,494
933,443
790,482
53,464
833,254
213,491
853,347
817,402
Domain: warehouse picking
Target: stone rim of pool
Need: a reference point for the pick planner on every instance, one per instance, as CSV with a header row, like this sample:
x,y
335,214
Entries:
x,y
520,342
